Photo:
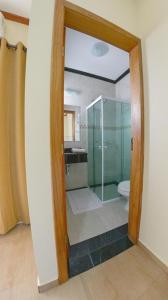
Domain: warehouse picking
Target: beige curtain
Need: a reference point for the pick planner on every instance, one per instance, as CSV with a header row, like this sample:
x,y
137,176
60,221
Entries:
x,y
13,194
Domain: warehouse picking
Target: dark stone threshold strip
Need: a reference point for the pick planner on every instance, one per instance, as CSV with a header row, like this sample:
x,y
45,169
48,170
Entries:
x,y
92,244
107,252
89,253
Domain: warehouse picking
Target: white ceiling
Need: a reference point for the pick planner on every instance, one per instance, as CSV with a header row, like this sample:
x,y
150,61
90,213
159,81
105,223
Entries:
x,y
79,46
18,7
78,55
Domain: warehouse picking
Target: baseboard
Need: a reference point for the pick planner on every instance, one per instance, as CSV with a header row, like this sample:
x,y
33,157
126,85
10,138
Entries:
x,y
154,257
49,285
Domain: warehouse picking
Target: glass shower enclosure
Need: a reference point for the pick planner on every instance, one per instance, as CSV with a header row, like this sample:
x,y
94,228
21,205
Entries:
x,y
109,146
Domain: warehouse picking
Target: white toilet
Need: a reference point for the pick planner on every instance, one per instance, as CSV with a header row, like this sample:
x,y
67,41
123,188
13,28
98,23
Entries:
x,y
124,190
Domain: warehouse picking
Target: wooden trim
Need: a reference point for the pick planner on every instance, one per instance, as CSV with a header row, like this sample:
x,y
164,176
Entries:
x,y
84,21
163,266
47,286
67,14
97,76
15,18
57,141
137,121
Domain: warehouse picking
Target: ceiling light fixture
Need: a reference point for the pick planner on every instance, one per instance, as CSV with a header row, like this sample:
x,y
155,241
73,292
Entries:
x,y
72,92
100,49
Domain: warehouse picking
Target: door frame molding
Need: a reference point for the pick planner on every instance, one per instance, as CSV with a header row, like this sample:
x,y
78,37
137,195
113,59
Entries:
x,y
75,17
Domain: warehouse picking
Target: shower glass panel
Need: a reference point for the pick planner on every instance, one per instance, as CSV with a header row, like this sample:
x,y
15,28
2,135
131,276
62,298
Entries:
x,y
112,148
90,121
95,148
109,146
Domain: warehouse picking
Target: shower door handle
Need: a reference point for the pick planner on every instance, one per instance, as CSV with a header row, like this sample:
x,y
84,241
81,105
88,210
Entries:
x,y
132,144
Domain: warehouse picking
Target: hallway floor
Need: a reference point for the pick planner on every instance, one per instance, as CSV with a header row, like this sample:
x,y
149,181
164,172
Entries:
x,y
129,276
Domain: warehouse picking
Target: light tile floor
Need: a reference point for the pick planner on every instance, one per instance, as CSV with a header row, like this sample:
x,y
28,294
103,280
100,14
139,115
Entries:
x,y
89,224
83,200
132,275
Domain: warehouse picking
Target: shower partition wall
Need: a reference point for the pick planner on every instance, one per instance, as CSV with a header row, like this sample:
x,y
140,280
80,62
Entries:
x,y
109,146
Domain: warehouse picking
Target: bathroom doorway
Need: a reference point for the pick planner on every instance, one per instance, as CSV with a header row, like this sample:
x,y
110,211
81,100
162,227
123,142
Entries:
x,y
97,150
84,21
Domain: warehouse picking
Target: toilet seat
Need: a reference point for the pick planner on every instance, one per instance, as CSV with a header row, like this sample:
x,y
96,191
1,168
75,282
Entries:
x,y
124,188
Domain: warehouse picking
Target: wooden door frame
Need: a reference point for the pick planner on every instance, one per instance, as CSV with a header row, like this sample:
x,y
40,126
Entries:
x,y
72,16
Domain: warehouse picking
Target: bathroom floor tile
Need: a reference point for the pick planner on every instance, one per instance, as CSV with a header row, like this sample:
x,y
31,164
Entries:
x,y
123,244
79,265
97,250
107,252
84,226
97,235
123,229
80,249
112,236
104,239
92,223
113,214
90,245
101,255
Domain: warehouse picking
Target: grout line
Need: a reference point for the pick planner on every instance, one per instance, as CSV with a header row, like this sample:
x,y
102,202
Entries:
x,y
91,260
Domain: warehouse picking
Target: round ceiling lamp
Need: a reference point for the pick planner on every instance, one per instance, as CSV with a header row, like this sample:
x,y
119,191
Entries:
x,y
100,49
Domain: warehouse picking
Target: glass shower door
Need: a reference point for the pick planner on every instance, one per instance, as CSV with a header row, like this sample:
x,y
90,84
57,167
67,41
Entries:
x,y
112,142
90,122
95,148
109,146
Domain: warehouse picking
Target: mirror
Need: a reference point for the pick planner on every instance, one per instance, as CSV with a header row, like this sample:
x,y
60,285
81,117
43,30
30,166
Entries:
x,y
71,123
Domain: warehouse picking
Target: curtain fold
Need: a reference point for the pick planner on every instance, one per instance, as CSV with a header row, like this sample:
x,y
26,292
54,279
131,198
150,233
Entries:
x,y
13,193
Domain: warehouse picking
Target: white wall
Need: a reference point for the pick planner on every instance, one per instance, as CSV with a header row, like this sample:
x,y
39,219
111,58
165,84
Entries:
x,y
16,32
150,14
154,222
119,12
37,114
123,88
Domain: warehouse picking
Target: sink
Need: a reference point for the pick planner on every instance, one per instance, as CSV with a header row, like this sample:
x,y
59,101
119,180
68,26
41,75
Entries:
x,y
73,158
68,150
